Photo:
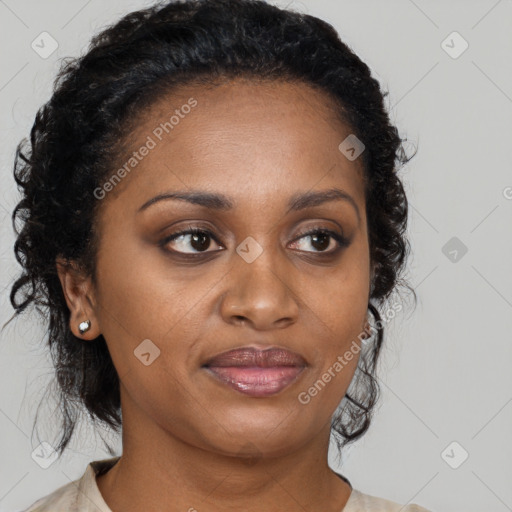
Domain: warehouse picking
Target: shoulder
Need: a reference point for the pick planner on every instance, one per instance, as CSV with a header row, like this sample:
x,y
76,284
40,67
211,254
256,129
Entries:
x,y
360,502
81,495
63,497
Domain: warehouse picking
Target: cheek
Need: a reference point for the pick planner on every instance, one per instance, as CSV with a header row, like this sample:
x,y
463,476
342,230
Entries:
x,y
338,306
340,298
140,299
339,314
339,321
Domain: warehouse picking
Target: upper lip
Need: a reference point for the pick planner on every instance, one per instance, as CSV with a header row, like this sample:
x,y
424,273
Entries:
x,y
251,356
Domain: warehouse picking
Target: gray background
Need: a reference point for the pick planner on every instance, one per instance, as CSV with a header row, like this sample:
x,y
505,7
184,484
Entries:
x,y
445,372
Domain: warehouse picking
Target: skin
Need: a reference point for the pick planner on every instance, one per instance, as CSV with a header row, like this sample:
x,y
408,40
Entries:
x,y
190,442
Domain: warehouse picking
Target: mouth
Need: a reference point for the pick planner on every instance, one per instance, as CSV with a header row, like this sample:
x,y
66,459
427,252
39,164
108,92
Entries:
x,y
254,372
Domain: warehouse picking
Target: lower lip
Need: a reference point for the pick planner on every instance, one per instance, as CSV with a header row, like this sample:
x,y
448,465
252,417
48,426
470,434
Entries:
x,y
256,381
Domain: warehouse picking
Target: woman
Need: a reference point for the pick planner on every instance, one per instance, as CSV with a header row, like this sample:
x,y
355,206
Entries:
x,y
212,218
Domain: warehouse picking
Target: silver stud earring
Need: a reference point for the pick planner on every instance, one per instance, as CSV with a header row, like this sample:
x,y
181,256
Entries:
x,y
84,326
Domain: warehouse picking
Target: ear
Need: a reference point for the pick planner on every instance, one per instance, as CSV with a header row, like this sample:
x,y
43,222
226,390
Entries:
x,y
79,293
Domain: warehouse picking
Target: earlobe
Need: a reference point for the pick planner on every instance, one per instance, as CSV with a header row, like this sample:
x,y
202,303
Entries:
x,y
78,292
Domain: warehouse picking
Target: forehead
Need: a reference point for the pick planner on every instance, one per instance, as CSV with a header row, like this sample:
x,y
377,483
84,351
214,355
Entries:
x,y
251,95
237,134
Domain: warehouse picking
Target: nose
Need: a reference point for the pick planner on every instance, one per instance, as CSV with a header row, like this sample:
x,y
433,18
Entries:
x,y
259,294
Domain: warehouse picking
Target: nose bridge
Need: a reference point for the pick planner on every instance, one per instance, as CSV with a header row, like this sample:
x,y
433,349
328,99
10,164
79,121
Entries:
x,y
259,288
263,273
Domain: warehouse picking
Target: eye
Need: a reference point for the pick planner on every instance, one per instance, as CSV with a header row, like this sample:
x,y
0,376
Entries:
x,y
197,239
321,239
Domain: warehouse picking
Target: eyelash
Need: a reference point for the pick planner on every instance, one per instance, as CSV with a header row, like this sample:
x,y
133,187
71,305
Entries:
x,y
340,239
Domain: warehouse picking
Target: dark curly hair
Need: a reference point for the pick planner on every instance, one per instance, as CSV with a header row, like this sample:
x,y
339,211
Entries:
x,y
80,131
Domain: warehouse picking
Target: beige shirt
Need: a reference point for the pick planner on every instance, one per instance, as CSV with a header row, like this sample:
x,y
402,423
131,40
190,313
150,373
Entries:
x,y
83,495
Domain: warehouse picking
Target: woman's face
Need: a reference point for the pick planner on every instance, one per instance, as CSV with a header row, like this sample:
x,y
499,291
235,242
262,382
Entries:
x,y
166,307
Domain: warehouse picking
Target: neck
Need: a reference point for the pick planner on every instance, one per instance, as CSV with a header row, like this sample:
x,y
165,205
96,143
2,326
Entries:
x,y
159,471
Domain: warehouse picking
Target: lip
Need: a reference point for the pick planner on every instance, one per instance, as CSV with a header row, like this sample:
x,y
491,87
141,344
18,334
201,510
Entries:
x,y
255,381
256,372
254,356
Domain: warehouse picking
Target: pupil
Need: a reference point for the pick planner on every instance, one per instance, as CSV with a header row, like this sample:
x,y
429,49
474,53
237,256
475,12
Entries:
x,y
203,244
323,246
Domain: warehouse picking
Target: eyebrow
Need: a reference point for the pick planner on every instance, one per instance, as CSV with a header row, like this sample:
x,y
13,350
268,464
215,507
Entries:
x,y
214,201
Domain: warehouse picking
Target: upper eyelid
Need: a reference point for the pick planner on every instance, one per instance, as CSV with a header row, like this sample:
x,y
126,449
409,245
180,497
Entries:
x,y
315,229
212,230
302,232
